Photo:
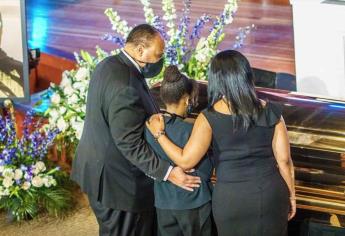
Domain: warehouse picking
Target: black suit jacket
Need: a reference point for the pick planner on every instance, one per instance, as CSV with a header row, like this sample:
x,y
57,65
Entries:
x,y
113,159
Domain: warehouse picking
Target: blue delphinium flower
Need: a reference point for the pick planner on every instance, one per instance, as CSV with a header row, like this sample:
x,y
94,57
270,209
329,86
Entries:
x,y
26,125
32,146
199,25
158,24
47,141
34,142
7,155
115,39
28,174
242,35
171,54
3,132
10,131
183,27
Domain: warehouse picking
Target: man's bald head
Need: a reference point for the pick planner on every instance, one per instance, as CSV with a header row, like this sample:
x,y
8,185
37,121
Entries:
x,y
142,34
145,44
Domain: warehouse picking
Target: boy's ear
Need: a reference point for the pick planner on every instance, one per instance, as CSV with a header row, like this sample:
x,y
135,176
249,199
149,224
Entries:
x,y
186,99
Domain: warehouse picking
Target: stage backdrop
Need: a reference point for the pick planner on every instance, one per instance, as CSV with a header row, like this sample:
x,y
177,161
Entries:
x,y
13,51
319,32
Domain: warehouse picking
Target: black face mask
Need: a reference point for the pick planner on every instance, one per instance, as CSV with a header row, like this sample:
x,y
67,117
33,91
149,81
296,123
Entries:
x,y
153,69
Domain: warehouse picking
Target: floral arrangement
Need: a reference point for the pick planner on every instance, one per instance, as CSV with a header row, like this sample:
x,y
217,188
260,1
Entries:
x,y
28,183
185,47
67,109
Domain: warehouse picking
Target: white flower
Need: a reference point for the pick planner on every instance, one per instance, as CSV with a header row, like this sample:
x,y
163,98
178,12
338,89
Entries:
x,y
40,166
65,81
73,99
53,182
202,42
200,57
37,182
126,28
18,174
2,169
171,32
49,181
54,115
7,182
4,192
170,24
53,85
77,124
79,130
117,24
35,171
82,74
79,85
229,20
68,90
26,185
55,99
61,124
62,110
8,173
46,182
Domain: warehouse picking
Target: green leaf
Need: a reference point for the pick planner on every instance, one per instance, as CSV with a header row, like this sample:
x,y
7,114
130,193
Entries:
x,y
86,57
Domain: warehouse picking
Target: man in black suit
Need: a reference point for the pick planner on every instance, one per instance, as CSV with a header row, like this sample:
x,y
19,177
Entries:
x,y
113,161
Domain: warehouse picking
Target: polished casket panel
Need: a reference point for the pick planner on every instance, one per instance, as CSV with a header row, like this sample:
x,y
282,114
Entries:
x,y
316,128
317,135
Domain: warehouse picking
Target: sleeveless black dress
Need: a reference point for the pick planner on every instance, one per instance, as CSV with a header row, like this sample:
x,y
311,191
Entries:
x,y
250,197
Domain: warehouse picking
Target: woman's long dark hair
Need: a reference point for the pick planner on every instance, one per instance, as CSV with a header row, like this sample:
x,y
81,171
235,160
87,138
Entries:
x,y
230,76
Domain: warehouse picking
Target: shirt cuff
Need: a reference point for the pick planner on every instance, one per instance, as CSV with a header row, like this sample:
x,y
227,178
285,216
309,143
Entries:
x,y
168,173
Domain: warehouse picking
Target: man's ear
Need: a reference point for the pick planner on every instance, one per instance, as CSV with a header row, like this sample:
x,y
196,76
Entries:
x,y
140,49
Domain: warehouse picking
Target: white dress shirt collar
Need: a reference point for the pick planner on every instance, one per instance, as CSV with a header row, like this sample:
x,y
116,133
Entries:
x,y
131,59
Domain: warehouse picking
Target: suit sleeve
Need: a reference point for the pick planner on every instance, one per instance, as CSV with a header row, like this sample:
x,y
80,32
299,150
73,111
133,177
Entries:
x,y
127,123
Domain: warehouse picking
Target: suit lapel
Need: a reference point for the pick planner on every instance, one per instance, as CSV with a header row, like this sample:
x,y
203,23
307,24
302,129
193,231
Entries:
x,y
152,107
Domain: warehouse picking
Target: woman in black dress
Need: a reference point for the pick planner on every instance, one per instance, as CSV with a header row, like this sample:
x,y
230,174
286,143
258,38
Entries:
x,y
254,194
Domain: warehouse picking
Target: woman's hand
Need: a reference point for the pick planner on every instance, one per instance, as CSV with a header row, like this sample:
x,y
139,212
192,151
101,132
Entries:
x,y
155,124
292,212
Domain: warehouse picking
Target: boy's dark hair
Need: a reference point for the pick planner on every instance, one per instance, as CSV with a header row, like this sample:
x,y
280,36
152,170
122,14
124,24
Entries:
x,y
142,34
175,85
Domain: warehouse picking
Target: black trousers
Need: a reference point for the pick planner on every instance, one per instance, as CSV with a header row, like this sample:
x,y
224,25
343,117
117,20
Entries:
x,y
122,223
192,222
